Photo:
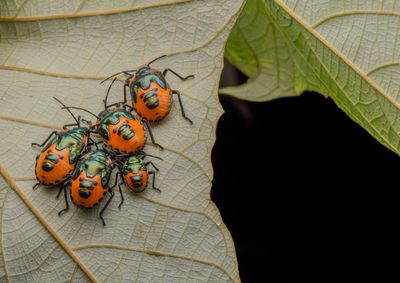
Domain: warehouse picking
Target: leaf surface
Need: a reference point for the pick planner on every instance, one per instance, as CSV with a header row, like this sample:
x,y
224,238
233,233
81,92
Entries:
x,y
64,49
347,50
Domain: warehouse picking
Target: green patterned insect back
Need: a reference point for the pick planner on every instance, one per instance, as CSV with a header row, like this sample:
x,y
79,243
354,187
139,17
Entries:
x,y
134,165
112,117
95,163
73,140
144,77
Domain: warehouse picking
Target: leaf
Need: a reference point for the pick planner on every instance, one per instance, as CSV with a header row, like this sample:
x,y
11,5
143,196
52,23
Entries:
x,y
347,50
51,48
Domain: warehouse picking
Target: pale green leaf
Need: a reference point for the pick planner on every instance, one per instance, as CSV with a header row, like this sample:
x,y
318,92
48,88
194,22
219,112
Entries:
x,y
347,50
64,49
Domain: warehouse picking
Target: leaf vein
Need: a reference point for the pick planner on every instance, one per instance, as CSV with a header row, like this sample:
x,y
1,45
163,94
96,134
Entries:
x,y
92,14
354,12
153,253
382,66
67,249
1,233
336,82
337,53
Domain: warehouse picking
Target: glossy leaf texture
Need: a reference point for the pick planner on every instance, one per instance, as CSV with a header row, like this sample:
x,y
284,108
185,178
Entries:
x,y
64,49
347,50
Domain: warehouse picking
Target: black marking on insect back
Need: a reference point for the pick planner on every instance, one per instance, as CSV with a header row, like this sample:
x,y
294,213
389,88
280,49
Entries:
x,y
84,194
47,167
144,78
137,181
151,99
49,162
126,131
103,131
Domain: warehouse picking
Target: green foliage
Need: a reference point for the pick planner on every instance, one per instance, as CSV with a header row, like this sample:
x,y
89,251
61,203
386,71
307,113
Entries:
x,y
344,50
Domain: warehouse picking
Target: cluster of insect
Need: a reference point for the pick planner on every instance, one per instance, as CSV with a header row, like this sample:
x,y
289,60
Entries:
x,y
81,158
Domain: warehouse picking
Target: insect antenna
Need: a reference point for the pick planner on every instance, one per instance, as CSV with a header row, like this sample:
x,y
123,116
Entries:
x,y
108,91
127,72
143,155
70,112
152,61
149,155
83,109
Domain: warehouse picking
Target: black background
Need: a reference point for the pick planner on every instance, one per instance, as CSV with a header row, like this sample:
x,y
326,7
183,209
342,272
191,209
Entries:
x,y
306,193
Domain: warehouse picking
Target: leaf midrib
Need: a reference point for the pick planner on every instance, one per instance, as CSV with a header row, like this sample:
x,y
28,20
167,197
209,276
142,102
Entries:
x,y
372,128
91,14
10,181
71,251
359,72
1,233
223,228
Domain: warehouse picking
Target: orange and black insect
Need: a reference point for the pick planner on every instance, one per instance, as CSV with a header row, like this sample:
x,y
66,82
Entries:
x,y
89,182
60,154
120,130
151,95
134,173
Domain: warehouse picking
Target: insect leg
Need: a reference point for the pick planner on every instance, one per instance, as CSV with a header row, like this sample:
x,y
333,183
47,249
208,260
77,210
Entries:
x,y
181,104
46,140
176,74
120,191
125,86
151,135
154,181
119,187
106,205
123,103
93,143
69,125
143,154
149,162
35,186
77,123
66,201
59,192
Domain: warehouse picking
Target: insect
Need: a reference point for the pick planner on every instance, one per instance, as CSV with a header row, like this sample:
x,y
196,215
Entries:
x,y
119,128
60,154
151,95
134,173
89,182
